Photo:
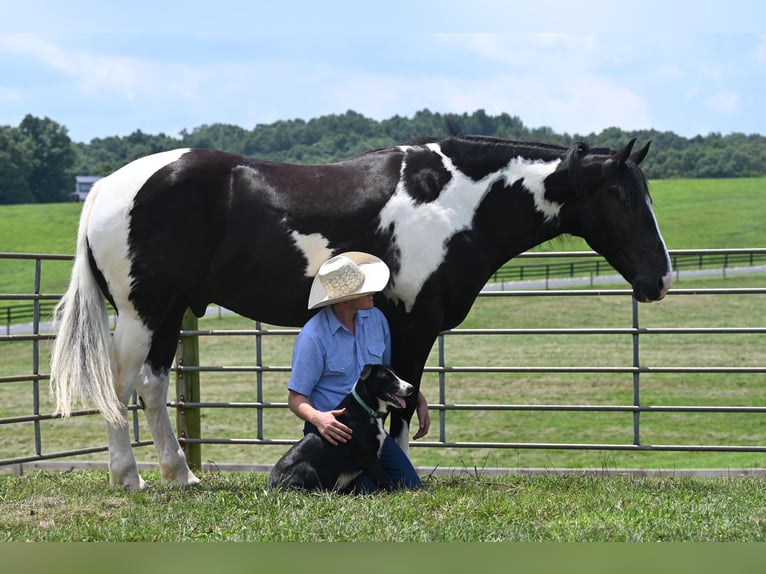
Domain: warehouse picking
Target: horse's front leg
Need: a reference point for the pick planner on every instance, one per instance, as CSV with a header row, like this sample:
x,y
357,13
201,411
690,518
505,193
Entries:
x,y
399,429
412,337
153,389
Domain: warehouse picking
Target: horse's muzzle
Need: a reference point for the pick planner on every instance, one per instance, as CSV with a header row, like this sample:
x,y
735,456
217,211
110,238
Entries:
x,y
646,290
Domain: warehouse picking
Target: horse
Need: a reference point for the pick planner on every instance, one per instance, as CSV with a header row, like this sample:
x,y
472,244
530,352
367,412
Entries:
x,y
190,227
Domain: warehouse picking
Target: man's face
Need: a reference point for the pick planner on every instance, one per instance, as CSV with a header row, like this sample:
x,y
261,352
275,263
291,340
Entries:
x,y
361,303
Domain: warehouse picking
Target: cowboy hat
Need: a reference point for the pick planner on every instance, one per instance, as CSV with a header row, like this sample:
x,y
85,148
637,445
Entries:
x,y
347,276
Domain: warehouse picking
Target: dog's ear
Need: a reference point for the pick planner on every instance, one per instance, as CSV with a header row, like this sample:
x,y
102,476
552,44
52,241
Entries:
x,y
366,372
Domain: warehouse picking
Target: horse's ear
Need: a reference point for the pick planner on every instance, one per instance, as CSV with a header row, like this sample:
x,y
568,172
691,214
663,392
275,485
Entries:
x,y
638,156
618,158
621,156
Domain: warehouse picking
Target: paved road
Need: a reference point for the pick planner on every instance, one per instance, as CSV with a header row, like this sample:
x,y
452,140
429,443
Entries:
x,y
605,279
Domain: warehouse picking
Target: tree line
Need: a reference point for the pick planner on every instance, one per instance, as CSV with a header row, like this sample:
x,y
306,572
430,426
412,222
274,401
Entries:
x,y
38,160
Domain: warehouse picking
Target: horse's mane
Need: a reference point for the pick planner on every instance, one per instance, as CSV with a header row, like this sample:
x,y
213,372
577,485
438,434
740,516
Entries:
x,y
572,155
547,151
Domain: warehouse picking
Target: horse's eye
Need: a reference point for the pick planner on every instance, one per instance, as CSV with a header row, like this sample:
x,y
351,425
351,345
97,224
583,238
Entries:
x,y
619,193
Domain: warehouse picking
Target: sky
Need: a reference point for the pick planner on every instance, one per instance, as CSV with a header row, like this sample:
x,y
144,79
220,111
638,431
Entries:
x,y
105,69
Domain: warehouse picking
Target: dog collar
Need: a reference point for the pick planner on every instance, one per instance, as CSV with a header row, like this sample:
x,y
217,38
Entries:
x,y
374,414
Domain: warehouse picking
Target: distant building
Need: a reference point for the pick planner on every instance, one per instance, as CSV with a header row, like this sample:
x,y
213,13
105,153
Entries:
x,y
82,185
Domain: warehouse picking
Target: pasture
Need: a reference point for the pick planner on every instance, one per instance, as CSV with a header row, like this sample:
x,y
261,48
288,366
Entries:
x,y
79,506
466,505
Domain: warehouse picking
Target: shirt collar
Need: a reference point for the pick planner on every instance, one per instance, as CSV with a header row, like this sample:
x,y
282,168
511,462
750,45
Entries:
x,y
334,324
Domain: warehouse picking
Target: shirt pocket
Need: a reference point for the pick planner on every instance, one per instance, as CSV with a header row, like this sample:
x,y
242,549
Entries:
x,y
336,367
375,353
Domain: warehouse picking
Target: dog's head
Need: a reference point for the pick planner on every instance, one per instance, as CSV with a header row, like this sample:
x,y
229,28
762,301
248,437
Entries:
x,y
381,389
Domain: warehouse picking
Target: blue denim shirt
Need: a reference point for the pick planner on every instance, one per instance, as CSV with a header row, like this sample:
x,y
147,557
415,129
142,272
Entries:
x,y
328,358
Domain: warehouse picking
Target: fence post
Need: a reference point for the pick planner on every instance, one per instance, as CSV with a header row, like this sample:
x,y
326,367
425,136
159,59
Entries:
x,y
259,379
187,390
442,390
636,377
36,357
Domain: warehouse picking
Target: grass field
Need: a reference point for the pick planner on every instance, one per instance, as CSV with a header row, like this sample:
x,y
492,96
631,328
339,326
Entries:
x,y
78,506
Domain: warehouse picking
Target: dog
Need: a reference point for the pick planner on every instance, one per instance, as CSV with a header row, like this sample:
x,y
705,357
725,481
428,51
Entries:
x,y
315,464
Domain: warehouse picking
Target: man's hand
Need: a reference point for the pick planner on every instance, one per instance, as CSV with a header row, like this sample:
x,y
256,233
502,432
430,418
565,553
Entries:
x,y
331,429
424,418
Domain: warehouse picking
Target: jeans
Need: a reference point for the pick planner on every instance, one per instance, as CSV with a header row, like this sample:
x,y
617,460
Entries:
x,y
396,466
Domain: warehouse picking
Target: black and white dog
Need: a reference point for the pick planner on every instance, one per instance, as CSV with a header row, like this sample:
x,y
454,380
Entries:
x,y
315,464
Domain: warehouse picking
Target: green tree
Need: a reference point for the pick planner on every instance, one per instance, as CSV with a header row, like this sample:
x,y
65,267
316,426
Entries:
x,y
337,136
14,168
52,157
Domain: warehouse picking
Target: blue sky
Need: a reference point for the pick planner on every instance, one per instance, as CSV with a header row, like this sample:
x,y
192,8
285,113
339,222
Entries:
x,y
104,69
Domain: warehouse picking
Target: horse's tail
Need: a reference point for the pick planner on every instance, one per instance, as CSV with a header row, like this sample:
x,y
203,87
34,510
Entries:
x,y
82,354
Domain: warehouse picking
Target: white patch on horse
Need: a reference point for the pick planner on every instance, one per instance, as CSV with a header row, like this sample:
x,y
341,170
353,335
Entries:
x,y
534,173
108,224
421,231
315,249
667,279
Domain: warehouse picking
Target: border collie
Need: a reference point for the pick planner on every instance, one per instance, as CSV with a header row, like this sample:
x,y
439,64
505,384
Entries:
x,y
315,464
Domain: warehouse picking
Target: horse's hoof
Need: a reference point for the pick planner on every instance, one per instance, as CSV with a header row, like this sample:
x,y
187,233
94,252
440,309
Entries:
x,y
191,481
186,479
136,486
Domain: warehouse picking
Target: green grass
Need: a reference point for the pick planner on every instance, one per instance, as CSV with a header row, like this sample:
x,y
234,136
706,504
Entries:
x,y
43,228
710,213
79,506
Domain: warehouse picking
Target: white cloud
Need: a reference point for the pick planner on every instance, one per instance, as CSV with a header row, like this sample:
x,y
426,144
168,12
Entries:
x,y
760,50
724,102
545,79
11,95
542,52
570,82
582,104
127,78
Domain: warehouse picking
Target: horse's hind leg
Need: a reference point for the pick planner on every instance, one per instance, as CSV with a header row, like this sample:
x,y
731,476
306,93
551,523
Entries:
x,y
153,382
153,389
122,464
142,360
131,345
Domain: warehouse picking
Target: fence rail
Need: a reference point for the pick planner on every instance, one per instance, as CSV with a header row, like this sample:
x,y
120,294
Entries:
x,y
188,409
589,264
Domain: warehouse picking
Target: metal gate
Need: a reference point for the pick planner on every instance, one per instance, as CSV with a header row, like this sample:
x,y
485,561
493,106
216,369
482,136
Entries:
x,y
444,404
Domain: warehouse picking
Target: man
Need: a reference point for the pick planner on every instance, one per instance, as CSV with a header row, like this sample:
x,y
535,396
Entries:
x,y
333,347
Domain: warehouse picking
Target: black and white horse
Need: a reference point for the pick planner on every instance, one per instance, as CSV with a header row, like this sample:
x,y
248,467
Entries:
x,y
189,227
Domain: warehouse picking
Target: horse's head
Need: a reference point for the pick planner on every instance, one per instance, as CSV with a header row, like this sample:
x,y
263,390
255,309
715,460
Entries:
x,y
613,213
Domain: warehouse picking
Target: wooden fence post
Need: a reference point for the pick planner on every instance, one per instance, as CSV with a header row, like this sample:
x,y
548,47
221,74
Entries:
x,y
187,391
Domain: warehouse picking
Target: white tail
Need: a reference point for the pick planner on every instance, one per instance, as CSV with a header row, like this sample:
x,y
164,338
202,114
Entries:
x,y
82,354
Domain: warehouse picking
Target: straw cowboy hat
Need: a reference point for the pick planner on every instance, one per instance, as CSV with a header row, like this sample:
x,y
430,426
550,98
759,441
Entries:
x,y
347,276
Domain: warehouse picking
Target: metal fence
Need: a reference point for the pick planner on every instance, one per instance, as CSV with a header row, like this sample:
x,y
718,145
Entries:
x,y
188,404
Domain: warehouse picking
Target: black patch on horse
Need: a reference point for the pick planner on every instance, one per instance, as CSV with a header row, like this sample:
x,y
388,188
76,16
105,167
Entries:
x,y
424,174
